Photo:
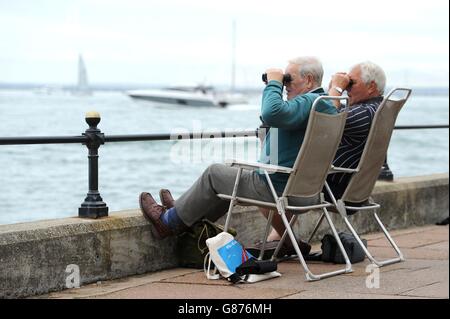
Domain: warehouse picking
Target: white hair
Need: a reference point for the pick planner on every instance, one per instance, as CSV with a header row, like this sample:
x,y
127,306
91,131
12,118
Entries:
x,y
309,65
372,72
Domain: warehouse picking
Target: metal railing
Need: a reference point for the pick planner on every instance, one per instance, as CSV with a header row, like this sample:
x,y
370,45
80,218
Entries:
x,y
93,205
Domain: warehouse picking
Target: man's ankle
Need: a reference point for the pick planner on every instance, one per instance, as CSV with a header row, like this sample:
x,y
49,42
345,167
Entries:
x,y
171,219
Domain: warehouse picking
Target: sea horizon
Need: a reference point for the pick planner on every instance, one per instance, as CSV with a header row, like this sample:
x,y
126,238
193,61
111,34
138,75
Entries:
x,y
417,90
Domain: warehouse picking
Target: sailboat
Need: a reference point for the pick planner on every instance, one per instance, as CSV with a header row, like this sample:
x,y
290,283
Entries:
x,y
82,88
199,95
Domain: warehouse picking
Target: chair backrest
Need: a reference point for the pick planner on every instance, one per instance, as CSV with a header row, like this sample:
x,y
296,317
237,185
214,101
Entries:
x,y
362,182
321,141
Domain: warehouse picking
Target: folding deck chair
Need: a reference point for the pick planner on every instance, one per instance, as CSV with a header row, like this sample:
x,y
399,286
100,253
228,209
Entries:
x,y
306,181
364,177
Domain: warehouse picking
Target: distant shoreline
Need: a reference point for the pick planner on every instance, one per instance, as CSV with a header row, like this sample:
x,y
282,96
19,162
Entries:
x,y
420,91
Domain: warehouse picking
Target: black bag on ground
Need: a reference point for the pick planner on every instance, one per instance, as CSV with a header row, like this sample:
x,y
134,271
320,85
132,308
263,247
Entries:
x,y
332,253
255,266
191,245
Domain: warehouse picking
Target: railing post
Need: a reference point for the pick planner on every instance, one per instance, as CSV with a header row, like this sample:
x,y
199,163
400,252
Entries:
x,y
93,206
385,173
262,131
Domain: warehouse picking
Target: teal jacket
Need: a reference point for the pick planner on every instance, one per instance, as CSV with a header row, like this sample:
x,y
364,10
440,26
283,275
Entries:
x,y
288,121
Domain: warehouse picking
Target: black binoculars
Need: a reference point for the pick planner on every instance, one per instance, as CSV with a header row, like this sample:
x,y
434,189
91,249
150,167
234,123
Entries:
x,y
286,78
350,83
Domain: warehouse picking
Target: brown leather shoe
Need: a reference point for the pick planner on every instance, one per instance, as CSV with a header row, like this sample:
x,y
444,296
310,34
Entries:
x,y
152,212
166,198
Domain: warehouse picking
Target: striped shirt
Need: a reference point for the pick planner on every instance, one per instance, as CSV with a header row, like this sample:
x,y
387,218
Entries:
x,y
356,131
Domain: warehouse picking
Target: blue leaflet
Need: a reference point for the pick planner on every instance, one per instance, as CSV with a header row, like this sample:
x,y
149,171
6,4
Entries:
x,y
233,254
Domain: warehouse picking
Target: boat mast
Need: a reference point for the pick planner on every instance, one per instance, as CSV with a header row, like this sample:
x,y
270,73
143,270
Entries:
x,y
82,75
233,56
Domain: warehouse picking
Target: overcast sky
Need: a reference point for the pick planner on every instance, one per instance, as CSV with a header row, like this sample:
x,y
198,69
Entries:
x,y
178,41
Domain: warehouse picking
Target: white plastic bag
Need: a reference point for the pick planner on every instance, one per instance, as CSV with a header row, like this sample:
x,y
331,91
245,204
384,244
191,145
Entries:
x,y
226,254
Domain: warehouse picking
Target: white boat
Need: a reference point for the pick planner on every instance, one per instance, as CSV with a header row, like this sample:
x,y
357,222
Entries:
x,y
199,95
189,95
49,90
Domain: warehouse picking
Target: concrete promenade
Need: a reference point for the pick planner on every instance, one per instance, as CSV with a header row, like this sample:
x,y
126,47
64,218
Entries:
x,y
424,274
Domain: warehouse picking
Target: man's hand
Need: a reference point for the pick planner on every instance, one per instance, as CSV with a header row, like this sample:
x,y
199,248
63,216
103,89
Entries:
x,y
275,74
340,80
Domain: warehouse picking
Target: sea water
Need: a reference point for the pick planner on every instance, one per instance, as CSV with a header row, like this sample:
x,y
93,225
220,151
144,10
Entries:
x,y
51,181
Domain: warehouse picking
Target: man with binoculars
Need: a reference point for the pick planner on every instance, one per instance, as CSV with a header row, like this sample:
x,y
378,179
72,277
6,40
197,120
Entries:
x,y
287,121
365,84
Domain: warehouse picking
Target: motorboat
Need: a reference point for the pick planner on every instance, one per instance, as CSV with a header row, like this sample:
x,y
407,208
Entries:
x,y
196,95
199,95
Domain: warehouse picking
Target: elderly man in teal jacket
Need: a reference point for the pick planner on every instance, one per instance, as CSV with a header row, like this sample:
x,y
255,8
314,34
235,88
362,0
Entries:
x,y
288,120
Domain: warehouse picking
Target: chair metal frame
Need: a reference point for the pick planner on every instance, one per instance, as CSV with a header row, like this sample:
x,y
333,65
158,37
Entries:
x,y
340,204
281,203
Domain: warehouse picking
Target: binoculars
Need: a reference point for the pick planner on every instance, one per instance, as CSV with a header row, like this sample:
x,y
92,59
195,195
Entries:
x,y
350,83
286,78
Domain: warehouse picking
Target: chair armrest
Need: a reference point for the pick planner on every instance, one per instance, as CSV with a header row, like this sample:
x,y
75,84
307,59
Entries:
x,y
335,169
252,165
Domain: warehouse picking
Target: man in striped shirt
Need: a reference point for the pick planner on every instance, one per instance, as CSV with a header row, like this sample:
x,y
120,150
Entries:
x,y
365,85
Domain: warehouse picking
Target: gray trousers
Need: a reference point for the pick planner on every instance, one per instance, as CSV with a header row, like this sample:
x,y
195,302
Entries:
x,y
201,201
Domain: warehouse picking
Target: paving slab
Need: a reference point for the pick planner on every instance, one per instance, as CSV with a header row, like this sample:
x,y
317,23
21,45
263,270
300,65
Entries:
x,y
425,252
442,246
392,281
105,287
197,291
313,294
413,240
437,290
438,230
